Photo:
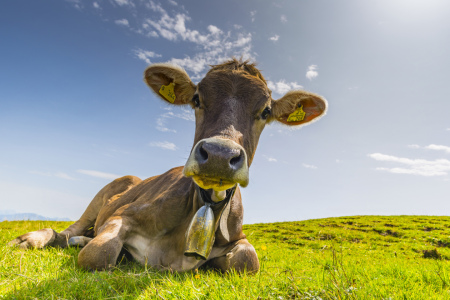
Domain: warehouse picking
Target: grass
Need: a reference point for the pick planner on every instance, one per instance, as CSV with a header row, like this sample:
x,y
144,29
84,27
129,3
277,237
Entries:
x,y
361,257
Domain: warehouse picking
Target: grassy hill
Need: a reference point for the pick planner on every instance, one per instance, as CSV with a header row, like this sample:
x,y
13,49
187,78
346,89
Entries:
x,y
362,257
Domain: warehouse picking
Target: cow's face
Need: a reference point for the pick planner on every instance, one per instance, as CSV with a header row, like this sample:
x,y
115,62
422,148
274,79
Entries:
x,y
232,107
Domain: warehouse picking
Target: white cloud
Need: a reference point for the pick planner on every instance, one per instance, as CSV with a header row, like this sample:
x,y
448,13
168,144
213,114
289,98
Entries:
x,y
124,2
438,147
422,167
76,3
283,19
312,73
185,114
414,146
64,176
282,87
274,38
431,147
213,45
214,30
99,174
122,22
57,174
161,125
309,166
252,15
270,159
448,129
164,145
145,55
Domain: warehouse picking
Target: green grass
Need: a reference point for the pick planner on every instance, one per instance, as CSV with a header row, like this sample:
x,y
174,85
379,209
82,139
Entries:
x,y
374,257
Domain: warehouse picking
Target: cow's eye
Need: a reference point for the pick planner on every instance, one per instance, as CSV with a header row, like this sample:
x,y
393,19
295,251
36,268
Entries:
x,y
266,113
196,100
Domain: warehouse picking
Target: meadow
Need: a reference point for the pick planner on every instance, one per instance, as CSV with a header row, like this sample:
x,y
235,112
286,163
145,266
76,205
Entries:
x,y
360,257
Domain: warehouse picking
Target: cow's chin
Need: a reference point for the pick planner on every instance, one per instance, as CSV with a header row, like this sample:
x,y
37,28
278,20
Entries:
x,y
217,185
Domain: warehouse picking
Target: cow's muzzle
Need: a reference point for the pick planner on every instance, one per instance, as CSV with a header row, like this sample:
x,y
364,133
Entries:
x,y
217,163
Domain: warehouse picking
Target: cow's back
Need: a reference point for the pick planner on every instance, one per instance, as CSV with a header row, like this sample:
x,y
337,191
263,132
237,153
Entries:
x,y
148,187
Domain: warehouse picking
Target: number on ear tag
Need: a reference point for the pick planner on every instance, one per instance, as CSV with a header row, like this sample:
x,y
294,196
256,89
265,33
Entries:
x,y
168,92
297,116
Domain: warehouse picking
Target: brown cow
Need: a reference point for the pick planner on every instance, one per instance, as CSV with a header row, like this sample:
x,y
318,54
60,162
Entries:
x,y
151,218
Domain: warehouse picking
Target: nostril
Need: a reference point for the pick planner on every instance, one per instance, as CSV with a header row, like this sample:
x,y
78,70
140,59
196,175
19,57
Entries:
x,y
236,160
203,153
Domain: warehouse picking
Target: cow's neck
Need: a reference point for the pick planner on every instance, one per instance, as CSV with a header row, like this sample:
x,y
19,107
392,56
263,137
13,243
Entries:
x,y
210,216
219,208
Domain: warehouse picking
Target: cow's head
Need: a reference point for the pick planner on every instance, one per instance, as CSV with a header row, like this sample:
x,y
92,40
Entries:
x,y
232,106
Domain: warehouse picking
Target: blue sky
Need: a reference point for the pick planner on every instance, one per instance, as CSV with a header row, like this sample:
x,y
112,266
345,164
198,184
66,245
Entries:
x,y
75,112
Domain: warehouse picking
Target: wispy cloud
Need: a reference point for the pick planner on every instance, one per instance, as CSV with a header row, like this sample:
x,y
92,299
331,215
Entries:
x,y
283,19
312,72
124,2
122,22
50,174
161,125
164,145
185,114
274,38
145,55
438,147
309,166
413,146
76,3
212,44
270,159
431,147
422,167
252,15
282,87
99,174
215,44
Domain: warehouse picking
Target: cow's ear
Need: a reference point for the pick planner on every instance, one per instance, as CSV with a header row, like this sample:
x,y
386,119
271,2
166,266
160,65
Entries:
x,y
298,108
170,82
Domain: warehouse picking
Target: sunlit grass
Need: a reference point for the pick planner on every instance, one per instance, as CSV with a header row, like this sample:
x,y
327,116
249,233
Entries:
x,y
405,257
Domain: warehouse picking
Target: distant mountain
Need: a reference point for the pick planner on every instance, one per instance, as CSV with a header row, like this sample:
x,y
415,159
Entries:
x,y
28,217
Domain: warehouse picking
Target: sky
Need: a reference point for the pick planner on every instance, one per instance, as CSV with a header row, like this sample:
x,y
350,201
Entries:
x,y
76,114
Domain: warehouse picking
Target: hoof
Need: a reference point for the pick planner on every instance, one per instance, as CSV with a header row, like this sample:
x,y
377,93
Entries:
x,y
79,241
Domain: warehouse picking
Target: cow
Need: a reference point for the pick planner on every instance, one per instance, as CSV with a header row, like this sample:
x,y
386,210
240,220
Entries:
x,y
160,220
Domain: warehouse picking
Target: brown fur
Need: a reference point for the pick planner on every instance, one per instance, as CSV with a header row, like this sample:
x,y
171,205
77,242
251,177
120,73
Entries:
x,y
149,218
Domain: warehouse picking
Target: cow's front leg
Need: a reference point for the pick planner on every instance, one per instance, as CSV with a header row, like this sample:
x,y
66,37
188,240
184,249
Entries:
x,y
36,239
241,257
102,252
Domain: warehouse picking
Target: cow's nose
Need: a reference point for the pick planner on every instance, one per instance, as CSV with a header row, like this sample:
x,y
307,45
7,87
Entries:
x,y
213,152
217,160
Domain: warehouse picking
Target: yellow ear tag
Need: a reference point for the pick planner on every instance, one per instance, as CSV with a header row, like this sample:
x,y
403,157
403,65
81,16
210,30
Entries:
x,y
297,116
168,92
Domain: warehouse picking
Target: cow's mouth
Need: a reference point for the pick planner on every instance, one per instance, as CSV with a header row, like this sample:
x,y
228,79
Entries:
x,y
207,183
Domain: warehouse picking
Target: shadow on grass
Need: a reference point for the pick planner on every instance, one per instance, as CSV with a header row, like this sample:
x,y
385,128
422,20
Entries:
x,y
65,280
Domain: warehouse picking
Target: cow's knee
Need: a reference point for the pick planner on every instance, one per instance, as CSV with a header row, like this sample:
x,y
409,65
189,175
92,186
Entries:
x,y
99,255
101,252
242,257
